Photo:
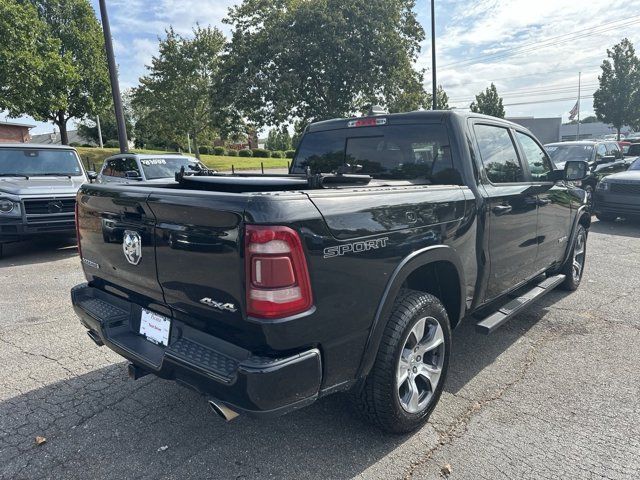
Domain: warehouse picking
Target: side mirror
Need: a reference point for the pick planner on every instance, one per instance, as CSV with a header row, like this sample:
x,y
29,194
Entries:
x,y
132,175
92,176
576,170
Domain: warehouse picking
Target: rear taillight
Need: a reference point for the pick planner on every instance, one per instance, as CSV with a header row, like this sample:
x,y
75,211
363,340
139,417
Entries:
x,y
277,275
78,230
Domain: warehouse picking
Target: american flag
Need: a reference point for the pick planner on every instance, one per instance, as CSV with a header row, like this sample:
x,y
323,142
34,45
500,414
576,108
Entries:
x,y
574,112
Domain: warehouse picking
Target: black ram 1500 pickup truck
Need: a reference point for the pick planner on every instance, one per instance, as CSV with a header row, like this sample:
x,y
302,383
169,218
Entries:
x,y
265,293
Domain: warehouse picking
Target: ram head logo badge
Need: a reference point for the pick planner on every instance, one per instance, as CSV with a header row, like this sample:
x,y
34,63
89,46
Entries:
x,y
132,247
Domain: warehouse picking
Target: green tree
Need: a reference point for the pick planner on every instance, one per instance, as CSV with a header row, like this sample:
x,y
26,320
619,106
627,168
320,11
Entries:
x,y
322,59
488,103
88,128
175,97
77,83
617,99
27,56
442,99
278,139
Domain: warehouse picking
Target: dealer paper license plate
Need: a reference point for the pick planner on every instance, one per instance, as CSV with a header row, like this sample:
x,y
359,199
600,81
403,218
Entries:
x,y
155,327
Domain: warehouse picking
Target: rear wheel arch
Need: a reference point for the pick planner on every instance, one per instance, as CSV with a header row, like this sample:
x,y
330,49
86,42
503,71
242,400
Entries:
x,y
421,271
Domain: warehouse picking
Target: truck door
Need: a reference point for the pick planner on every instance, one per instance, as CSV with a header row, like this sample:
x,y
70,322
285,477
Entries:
x,y
511,210
554,203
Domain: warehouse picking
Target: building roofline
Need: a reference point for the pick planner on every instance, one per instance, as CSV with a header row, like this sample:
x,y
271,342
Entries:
x,y
16,124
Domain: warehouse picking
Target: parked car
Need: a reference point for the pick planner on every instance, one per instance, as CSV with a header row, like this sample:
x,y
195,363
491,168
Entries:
x,y
38,186
633,150
135,167
624,146
265,293
603,157
618,195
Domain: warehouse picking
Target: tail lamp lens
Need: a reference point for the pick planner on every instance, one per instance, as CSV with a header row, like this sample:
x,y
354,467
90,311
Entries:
x,y
278,282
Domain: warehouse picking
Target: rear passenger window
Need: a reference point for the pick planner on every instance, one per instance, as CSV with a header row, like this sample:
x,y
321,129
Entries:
x,y
539,164
498,154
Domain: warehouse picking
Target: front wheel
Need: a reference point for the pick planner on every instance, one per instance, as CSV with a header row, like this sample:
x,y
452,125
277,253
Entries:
x,y
589,191
574,267
408,375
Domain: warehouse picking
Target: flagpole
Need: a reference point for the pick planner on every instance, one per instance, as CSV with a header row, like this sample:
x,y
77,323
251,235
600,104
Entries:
x,y
579,84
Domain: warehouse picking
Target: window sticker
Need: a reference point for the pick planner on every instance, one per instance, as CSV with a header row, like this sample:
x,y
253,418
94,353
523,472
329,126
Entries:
x,y
154,161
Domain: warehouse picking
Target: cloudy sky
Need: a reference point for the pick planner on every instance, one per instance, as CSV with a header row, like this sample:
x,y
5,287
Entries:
x,y
531,50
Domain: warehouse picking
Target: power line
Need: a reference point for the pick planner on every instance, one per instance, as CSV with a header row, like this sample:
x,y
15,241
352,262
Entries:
x,y
535,102
551,41
530,93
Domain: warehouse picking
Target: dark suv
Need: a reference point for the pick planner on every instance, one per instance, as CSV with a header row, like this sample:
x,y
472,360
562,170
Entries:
x,y
604,158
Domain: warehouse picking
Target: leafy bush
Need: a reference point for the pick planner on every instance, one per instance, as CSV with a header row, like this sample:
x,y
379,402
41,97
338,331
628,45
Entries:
x,y
88,145
232,153
289,153
245,153
261,153
219,150
203,150
277,154
75,144
111,144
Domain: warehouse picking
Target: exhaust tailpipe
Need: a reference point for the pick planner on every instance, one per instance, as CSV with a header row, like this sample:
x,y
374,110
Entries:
x,y
222,410
95,337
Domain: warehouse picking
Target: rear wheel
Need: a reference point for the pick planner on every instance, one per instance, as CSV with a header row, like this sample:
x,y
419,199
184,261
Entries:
x,y
408,375
574,268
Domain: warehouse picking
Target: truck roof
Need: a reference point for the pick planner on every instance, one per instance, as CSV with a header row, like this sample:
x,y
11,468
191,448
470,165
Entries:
x,y
39,146
417,116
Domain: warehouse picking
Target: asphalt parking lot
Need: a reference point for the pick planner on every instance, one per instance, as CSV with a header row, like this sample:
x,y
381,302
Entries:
x,y
554,394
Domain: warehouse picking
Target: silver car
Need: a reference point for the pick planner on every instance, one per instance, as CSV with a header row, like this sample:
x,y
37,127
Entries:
x,y
135,167
38,186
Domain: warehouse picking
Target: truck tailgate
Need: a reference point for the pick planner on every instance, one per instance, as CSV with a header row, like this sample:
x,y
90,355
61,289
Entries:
x,y
198,256
106,216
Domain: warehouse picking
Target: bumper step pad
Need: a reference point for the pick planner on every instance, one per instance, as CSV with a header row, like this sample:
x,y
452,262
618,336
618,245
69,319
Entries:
x,y
193,354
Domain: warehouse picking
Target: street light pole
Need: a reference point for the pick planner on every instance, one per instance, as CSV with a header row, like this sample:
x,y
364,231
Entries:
x,y
99,131
113,75
433,54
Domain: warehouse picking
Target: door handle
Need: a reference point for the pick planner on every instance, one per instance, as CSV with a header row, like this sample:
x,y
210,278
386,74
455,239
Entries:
x,y
502,209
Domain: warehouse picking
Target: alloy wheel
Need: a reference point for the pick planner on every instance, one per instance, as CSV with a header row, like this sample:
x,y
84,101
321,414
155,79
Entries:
x,y
420,365
579,256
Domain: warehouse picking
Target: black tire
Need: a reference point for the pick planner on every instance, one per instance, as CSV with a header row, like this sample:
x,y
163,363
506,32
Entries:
x,y
572,282
606,217
378,397
589,190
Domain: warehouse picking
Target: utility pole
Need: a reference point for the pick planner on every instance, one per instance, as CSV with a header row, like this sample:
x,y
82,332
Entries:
x,y
113,75
433,54
189,142
99,131
579,85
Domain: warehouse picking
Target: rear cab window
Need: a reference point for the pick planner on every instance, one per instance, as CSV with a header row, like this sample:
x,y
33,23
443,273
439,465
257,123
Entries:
x,y
419,152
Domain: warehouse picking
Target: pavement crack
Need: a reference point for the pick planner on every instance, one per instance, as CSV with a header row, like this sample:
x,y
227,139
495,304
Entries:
x,y
459,426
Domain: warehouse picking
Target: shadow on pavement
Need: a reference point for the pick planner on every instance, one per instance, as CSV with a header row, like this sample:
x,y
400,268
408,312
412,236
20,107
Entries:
x,y
102,424
625,228
41,250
